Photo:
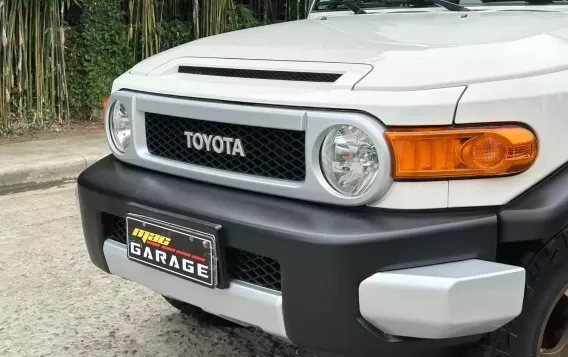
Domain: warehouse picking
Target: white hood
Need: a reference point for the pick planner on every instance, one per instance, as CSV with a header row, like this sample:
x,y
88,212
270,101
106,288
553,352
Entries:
x,y
407,51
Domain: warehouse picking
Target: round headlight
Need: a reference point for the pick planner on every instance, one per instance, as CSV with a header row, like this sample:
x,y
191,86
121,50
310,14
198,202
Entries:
x,y
349,160
119,126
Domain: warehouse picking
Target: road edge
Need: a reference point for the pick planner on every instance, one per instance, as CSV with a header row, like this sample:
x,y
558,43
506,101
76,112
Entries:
x,y
53,170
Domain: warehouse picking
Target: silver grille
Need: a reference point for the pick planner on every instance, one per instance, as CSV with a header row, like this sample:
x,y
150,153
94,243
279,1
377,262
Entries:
x,y
312,124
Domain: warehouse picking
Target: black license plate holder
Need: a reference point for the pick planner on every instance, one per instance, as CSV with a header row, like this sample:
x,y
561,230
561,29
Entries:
x,y
188,253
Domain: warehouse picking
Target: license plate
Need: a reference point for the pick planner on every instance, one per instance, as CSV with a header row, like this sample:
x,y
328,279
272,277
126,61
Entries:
x,y
184,252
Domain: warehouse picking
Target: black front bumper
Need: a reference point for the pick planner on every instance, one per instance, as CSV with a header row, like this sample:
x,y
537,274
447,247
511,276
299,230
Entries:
x,y
324,251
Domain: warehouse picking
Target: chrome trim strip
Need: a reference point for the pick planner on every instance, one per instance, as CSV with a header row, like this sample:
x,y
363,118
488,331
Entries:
x,y
241,302
316,124
449,300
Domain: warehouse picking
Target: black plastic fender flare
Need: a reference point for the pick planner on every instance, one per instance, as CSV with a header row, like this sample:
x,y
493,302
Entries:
x,y
539,213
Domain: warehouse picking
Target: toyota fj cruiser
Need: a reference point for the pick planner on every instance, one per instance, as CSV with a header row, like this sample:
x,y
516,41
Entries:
x,y
380,179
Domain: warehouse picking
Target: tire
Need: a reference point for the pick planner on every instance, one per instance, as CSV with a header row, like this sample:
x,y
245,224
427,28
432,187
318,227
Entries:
x,y
197,313
546,281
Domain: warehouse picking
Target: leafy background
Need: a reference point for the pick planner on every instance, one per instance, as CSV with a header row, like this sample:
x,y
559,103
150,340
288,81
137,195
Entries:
x,y
58,58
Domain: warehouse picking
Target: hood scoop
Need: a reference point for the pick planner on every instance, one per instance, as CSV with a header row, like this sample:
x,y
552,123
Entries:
x,y
262,74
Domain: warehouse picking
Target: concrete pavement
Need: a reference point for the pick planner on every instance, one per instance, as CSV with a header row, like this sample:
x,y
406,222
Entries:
x,y
35,162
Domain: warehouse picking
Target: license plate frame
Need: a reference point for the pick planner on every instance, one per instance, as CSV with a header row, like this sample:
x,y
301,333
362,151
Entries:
x,y
174,240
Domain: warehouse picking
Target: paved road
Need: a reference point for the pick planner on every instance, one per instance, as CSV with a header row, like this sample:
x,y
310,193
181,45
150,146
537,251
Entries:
x,y
54,302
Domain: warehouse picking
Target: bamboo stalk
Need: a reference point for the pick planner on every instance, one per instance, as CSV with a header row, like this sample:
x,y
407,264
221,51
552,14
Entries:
x,y
65,96
3,57
8,42
38,63
19,65
52,91
29,61
196,18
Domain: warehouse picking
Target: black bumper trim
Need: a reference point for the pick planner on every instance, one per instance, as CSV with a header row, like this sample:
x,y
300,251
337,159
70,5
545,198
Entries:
x,y
324,251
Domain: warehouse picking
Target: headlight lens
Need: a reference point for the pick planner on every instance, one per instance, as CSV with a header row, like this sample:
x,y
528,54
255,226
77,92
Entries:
x,y
119,125
349,160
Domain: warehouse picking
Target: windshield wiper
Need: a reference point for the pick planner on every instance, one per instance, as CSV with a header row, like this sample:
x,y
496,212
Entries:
x,y
531,2
353,7
450,5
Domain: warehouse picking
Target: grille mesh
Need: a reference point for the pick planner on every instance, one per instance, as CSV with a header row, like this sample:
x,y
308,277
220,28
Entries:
x,y
254,269
261,74
248,267
273,153
114,228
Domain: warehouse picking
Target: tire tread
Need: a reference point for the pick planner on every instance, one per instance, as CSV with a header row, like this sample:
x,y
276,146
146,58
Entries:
x,y
504,342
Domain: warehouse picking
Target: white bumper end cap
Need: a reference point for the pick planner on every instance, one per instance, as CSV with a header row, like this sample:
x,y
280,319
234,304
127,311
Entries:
x,y
443,301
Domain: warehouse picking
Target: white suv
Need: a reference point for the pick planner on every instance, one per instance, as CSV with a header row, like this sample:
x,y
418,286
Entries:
x,y
381,179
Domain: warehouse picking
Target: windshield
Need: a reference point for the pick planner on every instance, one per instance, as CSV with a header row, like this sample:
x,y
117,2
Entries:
x,y
337,5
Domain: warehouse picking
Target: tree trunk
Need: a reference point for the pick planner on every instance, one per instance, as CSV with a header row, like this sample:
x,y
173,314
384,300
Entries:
x,y
196,18
273,10
298,10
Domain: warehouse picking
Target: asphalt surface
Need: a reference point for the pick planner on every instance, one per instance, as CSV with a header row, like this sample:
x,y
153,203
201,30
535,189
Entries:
x,y
54,302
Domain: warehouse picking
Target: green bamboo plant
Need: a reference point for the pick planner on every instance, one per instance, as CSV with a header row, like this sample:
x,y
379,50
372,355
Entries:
x,y
33,83
209,17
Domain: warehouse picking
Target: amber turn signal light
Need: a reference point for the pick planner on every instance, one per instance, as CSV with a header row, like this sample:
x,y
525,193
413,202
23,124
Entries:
x,y
460,152
105,102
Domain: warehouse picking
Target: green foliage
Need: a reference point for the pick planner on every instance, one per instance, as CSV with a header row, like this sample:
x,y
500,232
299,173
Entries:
x,y
98,52
174,33
242,17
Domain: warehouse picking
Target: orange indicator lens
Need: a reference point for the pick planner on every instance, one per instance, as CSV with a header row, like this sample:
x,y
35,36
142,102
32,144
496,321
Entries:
x,y
460,152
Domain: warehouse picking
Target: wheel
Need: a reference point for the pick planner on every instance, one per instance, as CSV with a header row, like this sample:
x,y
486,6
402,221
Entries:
x,y
542,328
197,312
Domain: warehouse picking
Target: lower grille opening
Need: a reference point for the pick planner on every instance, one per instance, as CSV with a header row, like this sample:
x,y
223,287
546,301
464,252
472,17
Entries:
x,y
254,269
114,228
241,265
